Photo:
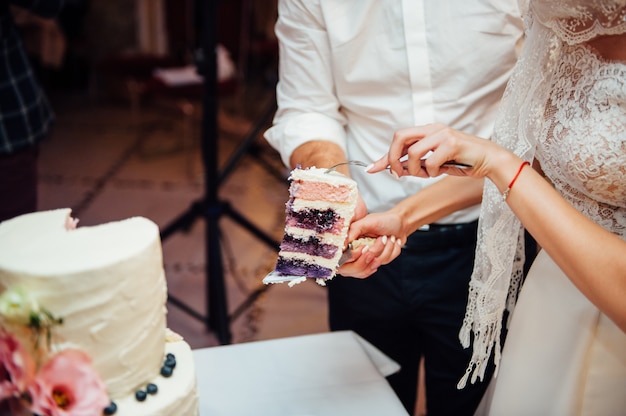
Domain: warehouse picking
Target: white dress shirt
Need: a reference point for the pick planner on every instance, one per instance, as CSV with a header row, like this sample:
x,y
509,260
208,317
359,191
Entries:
x,y
355,71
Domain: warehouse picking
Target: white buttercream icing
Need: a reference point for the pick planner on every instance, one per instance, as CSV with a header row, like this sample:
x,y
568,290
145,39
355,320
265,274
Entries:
x,y
107,283
319,174
177,394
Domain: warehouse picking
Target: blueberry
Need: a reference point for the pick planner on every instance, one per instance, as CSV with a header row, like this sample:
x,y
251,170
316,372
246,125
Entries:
x,y
166,371
111,409
141,395
152,388
170,355
170,362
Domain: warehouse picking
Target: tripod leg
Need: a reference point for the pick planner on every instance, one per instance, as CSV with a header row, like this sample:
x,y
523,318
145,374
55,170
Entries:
x,y
250,227
217,308
217,303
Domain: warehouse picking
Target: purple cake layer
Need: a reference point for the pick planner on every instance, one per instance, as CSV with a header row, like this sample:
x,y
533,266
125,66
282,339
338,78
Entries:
x,y
295,267
326,221
308,245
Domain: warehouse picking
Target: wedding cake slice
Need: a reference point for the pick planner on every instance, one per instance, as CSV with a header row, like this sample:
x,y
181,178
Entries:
x,y
319,210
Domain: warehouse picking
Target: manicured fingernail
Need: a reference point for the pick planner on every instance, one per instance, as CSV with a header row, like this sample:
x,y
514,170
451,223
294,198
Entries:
x,y
394,174
399,242
393,239
370,166
384,239
366,248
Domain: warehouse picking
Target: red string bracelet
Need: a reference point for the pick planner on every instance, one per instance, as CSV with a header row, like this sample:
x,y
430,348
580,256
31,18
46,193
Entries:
x,y
505,194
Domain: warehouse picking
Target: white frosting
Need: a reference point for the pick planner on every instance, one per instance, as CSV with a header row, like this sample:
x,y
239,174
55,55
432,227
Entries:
x,y
328,238
106,282
342,209
177,394
319,175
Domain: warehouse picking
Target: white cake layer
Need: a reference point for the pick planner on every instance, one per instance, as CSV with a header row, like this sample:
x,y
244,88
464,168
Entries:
x,y
106,282
314,174
328,238
177,394
300,232
342,210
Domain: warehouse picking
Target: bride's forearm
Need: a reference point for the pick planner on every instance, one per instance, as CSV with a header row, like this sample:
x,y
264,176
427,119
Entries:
x,y
593,258
438,200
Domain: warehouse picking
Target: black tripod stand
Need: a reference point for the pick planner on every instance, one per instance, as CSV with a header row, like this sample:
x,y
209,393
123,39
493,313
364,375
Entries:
x,y
210,208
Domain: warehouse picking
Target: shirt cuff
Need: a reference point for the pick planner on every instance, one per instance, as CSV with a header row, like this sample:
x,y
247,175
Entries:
x,y
285,136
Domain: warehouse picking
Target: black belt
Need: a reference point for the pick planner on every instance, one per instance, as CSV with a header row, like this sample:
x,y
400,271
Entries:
x,y
439,236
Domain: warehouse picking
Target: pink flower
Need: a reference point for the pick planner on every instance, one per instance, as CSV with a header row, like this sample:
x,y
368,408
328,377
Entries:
x,y
68,385
17,368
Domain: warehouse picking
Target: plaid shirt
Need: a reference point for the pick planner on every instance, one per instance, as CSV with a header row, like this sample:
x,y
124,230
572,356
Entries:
x,y
25,113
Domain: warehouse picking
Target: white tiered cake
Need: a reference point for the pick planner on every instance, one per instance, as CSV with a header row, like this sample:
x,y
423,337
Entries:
x,y
108,286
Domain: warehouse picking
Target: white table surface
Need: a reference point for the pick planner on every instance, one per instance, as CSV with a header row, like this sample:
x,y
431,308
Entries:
x,y
328,374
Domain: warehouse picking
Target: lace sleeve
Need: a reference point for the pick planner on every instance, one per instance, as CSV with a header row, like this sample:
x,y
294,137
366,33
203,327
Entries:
x,y
577,21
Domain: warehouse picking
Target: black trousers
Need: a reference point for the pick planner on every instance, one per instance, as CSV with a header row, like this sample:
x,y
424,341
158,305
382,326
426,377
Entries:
x,y
414,307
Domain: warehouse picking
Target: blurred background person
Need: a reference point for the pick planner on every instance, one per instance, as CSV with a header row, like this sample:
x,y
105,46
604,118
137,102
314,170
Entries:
x,y
26,116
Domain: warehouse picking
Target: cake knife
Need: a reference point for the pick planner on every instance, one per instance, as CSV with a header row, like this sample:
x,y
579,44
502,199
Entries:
x,y
451,163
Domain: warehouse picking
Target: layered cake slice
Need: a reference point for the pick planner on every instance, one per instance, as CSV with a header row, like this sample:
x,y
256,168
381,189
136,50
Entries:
x,y
318,214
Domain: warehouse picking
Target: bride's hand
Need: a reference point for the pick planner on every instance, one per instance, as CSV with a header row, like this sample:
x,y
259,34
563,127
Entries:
x,y
437,143
389,233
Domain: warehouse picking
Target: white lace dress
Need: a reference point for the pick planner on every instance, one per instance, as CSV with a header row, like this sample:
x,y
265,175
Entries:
x,y
562,355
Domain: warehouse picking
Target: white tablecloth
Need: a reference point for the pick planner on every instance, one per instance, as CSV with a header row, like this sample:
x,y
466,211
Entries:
x,y
328,374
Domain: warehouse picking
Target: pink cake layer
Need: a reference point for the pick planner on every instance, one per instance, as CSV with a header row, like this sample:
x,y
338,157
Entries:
x,y
320,191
